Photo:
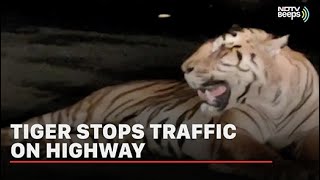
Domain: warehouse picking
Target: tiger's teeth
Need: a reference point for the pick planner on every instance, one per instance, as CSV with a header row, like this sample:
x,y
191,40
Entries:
x,y
210,98
202,95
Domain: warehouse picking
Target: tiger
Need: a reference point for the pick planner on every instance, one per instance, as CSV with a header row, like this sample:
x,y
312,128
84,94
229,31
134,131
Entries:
x,y
145,102
164,102
267,89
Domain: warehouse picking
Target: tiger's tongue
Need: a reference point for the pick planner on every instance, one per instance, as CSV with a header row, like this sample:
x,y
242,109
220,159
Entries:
x,y
210,94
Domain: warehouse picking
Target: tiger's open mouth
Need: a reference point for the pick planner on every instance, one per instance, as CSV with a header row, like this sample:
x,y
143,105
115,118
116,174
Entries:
x,y
215,93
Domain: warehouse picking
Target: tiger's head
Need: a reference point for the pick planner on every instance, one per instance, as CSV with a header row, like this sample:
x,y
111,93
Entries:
x,y
223,69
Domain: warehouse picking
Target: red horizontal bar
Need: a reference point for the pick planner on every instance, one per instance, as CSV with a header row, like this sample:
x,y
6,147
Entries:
x,y
140,162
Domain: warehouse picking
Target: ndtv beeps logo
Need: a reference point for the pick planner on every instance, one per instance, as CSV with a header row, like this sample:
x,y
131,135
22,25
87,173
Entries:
x,y
293,12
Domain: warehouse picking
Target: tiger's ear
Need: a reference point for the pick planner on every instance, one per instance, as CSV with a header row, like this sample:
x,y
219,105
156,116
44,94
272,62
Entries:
x,y
273,46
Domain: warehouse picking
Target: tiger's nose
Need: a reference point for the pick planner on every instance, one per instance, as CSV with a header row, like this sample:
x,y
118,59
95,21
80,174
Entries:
x,y
196,68
187,68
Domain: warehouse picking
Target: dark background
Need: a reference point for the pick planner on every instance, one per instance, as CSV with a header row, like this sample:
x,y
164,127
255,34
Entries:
x,y
193,21
190,19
